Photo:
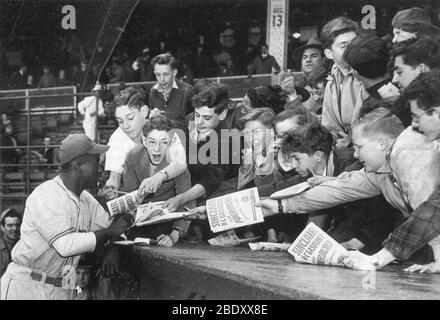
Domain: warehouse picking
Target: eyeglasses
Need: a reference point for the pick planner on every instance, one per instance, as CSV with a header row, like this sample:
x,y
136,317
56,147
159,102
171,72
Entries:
x,y
416,117
358,147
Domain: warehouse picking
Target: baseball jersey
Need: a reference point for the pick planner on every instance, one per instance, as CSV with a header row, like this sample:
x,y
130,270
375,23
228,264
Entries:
x,y
57,228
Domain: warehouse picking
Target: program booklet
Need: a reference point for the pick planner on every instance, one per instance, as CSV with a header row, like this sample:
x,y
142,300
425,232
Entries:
x,y
153,212
234,210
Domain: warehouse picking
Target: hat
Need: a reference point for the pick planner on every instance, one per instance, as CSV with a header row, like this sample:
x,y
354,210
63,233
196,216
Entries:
x,y
97,87
75,145
312,43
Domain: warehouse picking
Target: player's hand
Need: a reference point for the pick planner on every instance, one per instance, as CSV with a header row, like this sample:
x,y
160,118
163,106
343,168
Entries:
x,y
120,224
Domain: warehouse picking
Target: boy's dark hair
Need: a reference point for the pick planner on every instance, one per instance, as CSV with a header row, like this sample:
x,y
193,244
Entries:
x,y
424,50
309,139
10,213
130,96
300,112
266,96
214,95
419,28
200,84
415,20
263,115
371,104
165,58
158,122
368,55
425,90
414,14
336,27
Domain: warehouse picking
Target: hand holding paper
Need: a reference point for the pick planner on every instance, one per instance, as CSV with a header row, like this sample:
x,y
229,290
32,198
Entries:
x,y
358,261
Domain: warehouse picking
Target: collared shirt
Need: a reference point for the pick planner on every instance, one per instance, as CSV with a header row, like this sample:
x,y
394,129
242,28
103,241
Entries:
x,y
176,103
165,93
343,98
57,228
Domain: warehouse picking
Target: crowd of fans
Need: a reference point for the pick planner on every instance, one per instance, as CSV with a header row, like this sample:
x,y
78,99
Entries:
x,y
360,123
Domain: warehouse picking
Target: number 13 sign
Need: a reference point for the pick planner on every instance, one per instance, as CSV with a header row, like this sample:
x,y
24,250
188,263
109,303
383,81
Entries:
x,y
277,18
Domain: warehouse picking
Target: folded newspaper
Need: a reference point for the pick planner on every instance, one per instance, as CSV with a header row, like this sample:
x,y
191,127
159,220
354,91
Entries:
x,y
145,214
234,210
314,246
269,246
128,203
153,212
291,191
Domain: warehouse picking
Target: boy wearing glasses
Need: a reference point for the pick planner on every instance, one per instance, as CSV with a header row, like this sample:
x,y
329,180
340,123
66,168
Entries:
x,y
148,159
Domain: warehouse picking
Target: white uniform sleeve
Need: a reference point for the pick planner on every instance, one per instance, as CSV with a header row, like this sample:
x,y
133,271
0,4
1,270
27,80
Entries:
x,y
100,218
349,186
73,244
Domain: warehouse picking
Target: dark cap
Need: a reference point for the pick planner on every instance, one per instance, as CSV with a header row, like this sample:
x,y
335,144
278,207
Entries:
x,y
75,145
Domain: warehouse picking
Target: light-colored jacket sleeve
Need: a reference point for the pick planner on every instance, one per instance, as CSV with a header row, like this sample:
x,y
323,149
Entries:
x,y
417,171
349,186
329,118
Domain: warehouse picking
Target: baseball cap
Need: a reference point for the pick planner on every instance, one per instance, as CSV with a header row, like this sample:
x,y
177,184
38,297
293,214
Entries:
x,y
75,145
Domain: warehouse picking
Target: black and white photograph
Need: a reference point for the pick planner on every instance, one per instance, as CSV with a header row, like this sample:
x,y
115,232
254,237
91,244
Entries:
x,y
219,155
